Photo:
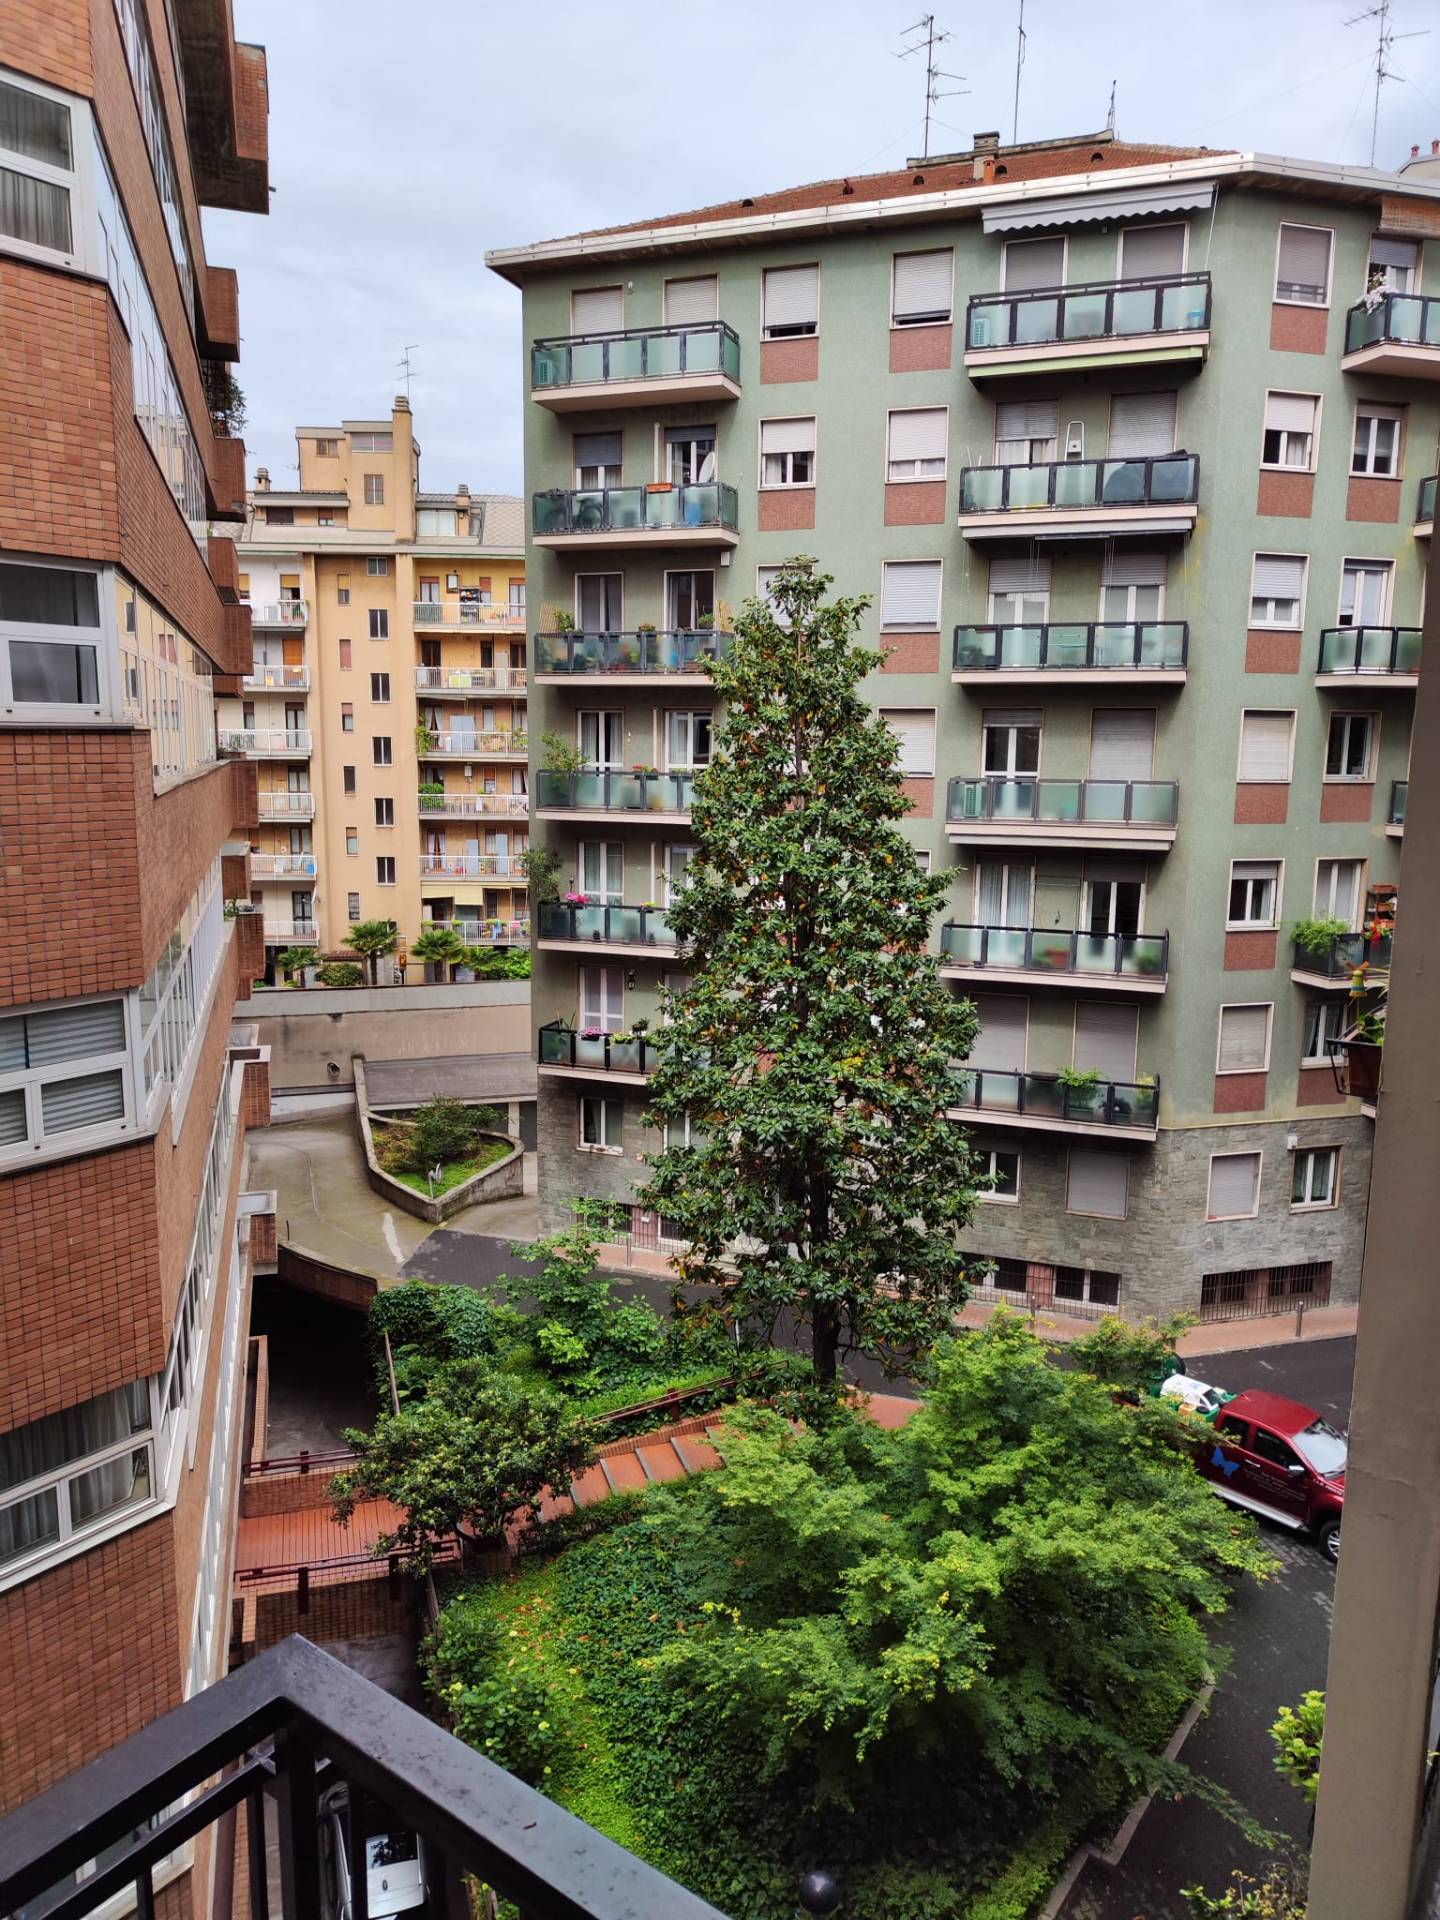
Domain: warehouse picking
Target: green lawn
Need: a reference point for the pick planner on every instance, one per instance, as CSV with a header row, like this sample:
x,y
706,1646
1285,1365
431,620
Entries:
x,y
454,1172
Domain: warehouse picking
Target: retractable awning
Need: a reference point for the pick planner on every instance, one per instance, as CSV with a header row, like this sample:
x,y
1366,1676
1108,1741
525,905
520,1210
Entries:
x,y
1076,209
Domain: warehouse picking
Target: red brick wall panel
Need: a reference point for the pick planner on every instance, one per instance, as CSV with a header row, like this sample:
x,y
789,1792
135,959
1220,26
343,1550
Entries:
x,y
178,834
250,951
1298,329
1240,1092
915,503
1261,804
786,360
1370,499
50,39
1316,1088
921,793
1249,952
911,652
226,466
1349,800
921,349
786,510
224,562
1268,652
255,1107
222,311
1289,496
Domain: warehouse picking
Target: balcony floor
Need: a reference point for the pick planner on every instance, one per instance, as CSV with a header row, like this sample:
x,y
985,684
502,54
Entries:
x,y
1189,346
613,816
605,949
1390,357
660,390
600,540
1331,982
1058,523
611,1078
1032,833
1048,1123
1395,829
1068,676
1367,682
1126,983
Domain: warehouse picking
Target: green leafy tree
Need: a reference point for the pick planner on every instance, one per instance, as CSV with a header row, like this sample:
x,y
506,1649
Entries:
x,y
1299,1735
1278,1896
472,1455
541,868
1134,1359
372,939
584,1336
441,946
815,1047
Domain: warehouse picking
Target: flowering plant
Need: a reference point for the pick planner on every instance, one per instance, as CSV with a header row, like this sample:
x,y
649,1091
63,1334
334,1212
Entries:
x,y
573,899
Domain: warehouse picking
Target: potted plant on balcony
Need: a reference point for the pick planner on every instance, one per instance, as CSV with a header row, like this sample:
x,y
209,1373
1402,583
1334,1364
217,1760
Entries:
x,y
425,740
1081,1087
559,755
1314,938
564,622
1362,1047
432,796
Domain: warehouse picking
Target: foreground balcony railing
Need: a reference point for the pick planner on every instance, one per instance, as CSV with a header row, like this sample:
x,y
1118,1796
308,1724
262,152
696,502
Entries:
x,y
286,806
642,512
1053,1100
1341,954
1398,333
1078,486
1108,648
283,1727
467,613
704,355
605,926
1425,504
261,679
667,793
469,679
291,933
591,1050
1139,959
470,866
474,745
997,800
475,806
1095,310
282,866
1369,651
647,650
280,613
289,743
1399,793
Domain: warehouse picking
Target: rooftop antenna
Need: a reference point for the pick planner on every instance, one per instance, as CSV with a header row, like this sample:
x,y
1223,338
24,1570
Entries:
x,y
1110,122
930,40
1384,41
404,365
1019,63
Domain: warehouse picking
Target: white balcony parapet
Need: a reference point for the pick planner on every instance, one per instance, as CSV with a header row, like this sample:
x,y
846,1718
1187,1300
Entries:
x,y
477,806
463,680
467,613
276,679
282,866
493,743
471,866
280,613
283,805
285,743
291,933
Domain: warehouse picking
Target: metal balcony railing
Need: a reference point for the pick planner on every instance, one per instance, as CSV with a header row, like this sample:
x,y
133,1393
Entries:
x,y
1075,486
1425,502
646,650
473,745
1111,1103
592,1048
1369,650
477,806
296,933
616,792
1065,802
470,866
1090,310
284,1727
662,509
637,353
1057,950
1395,319
1399,792
280,613
458,612
469,679
290,741
282,866
1343,953
625,926
278,805
491,933
264,678
1074,645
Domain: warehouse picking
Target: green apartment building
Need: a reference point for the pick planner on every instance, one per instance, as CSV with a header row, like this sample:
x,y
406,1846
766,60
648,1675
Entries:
x,y
1134,448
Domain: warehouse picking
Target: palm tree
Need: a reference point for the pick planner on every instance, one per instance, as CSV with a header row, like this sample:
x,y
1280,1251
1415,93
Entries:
x,y
294,960
370,939
441,946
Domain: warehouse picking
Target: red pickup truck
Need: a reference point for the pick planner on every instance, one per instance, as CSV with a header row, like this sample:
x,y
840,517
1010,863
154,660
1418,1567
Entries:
x,y
1277,1458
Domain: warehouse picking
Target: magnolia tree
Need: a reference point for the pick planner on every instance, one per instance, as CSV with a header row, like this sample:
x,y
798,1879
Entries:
x,y
813,1051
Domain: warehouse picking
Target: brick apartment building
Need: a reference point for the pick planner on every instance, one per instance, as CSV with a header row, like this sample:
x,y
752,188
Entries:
x,y
124,1099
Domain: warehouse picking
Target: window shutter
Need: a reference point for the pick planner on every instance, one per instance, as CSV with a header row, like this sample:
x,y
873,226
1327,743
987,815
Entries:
x,y
1020,576
12,1044
1253,870
910,595
1265,746
923,284
75,1033
1105,1038
690,303
1141,423
792,296
597,310
597,449
1393,253
1134,570
918,433
1233,1180
1278,576
916,731
1122,743
1304,260
87,1101
1097,1183
1290,412
614,1123
1034,263
1146,252
1027,419
787,436
1243,1034
1000,1041
12,1118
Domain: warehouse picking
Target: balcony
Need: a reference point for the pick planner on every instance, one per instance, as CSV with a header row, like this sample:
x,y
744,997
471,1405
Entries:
x,y
291,933
263,679
652,516
1399,334
1068,957
1380,656
1395,824
1045,1103
1031,812
281,613
1073,653
269,743
623,931
475,806
594,1053
471,866
1096,324
470,744
579,796
286,806
490,933
1093,499
282,866
461,682
641,367
646,657
463,614
1425,507
111,1830
1334,965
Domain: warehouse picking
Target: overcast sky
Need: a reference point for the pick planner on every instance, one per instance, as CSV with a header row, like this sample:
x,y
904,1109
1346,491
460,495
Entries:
x,y
406,139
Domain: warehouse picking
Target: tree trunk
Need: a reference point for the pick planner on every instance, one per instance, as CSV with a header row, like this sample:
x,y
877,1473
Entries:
x,y
825,1344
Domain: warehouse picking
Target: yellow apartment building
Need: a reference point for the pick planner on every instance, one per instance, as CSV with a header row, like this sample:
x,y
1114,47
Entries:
x,y
385,706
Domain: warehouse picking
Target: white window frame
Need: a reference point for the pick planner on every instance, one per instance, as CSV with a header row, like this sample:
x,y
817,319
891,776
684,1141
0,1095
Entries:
x,y
1248,780
911,560
609,573
1027,239
1272,623
71,1536
788,266
104,638
788,484
676,1133
1237,1006
374,485
1357,908
1375,411
690,716
377,565
904,326
38,1147
1079,1213
763,575
603,1144
379,618
1310,1205
383,860
1243,1153
1331,1010
1256,926
1347,717
76,180
913,479
999,723
1153,227
1310,306
1366,565
985,1158
1312,459
924,713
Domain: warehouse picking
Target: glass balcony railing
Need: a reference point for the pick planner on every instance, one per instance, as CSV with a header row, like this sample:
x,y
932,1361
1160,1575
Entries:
x,y
639,353
283,805
1395,319
594,1049
264,676
1061,646
1076,486
1113,1103
616,926
1342,953
1057,950
1425,505
1399,793
1065,802
658,509
279,613
647,650
1092,310
282,866
615,792
1370,650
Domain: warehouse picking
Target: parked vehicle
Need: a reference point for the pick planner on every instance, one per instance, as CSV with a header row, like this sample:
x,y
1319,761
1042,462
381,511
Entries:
x,y
1280,1459
1198,1395
394,1860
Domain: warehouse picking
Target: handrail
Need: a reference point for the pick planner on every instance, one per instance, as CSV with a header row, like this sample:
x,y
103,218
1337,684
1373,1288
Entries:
x,y
1059,645
1121,1103
560,1046
1064,802
303,1462
1119,305
1056,949
612,789
1394,319
1369,650
645,650
661,508
636,353
1344,952
1139,480
633,926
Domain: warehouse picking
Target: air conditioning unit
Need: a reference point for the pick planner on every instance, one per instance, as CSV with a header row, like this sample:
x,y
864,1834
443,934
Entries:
x,y
1075,440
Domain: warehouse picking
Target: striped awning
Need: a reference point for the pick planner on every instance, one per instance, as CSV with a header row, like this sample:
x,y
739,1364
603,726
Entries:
x,y
1076,209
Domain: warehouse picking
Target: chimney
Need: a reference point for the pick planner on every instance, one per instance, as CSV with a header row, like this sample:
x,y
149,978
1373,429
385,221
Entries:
x,y
1423,166
1415,153
987,145
406,470
262,479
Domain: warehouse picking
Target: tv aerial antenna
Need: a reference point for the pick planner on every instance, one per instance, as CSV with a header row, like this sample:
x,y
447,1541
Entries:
x,y
406,370
929,40
1385,38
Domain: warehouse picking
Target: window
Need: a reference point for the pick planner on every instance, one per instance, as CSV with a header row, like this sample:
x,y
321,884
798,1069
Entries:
x,y
689,599
1141,425
1106,1037
517,596
347,779
1122,743
1265,744
63,1070
1324,1022
678,1133
347,717
1337,890
52,656
1149,253
1000,1166
601,737
374,489
352,841
327,449
597,309
1033,263
1087,1283
1002,893
602,1124
381,749
379,623
1244,1039
1113,905
1132,587
1011,741
915,731
910,594
1025,432
76,1469
602,999
380,688
692,302
384,812
687,741
690,455
1377,441
1290,420
600,868
279,516
1269,1446
1393,264
342,589
1003,1273
1097,1183
792,301
1365,593
922,288
600,602
787,453
1302,268
1254,894
1348,746
385,869
597,459
433,521
765,578
1234,1186
378,565
1277,589
917,443
1315,1181
1000,1039
352,907
345,656
372,442
1019,592
37,170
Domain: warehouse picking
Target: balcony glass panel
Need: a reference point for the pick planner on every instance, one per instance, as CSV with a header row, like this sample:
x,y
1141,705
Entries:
x,y
1184,306
1105,799
638,354
1075,484
627,360
1425,506
1090,311
1399,793
1408,319
549,365
1068,646
962,945
1058,800
1050,950
1153,802
1030,487
551,514
1033,322
1085,316
982,489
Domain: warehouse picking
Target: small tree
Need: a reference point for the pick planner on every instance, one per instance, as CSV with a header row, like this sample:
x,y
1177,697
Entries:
x,y
440,945
1135,1359
294,960
1299,1735
561,755
815,1048
371,939
541,869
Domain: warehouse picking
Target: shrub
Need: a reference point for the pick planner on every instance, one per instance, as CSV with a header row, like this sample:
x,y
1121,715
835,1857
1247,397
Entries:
x,y
1135,1359
340,973
1314,936
497,1698
1276,1897
444,1130
499,963
1299,1735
